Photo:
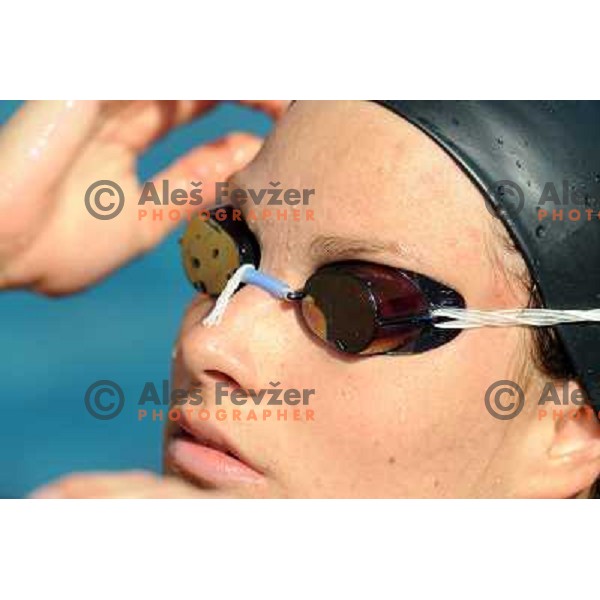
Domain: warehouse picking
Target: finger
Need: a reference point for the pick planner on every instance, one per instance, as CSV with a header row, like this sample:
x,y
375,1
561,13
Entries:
x,y
128,484
36,146
273,108
92,485
169,488
139,124
157,488
209,164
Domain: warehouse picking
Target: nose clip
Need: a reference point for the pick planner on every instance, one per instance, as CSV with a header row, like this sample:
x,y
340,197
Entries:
x,y
250,275
270,284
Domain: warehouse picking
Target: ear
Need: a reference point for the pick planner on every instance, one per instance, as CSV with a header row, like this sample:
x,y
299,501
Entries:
x,y
570,463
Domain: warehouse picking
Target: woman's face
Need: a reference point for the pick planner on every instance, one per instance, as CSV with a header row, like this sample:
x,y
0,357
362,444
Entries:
x,y
383,426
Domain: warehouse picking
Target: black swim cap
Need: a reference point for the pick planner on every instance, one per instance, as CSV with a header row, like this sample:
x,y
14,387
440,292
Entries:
x,y
526,156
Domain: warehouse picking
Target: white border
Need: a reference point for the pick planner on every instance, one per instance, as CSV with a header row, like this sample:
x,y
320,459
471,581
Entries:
x,y
325,50
297,549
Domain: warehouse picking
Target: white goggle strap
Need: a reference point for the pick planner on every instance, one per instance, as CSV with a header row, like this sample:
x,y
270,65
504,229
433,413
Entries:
x,y
464,318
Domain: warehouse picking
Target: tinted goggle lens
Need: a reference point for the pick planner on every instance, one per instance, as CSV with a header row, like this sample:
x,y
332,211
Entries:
x,y
363,309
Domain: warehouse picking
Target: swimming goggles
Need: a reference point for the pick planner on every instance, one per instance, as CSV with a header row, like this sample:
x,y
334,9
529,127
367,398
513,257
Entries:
x,y
353,306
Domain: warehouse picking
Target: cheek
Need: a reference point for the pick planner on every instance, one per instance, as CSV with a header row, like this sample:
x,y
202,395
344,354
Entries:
x,y
409,425
447,430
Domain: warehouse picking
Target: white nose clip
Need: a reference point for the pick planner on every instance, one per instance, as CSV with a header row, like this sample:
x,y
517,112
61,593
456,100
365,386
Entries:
x,y
246,274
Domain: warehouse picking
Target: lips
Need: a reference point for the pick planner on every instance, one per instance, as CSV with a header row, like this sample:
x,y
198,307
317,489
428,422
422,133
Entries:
x,y
203,455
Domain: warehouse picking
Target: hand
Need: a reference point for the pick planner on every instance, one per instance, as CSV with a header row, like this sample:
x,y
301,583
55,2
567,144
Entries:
x,y
128,484
51,152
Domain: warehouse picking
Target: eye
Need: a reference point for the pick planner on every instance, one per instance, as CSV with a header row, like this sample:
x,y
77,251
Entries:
x,y
213,249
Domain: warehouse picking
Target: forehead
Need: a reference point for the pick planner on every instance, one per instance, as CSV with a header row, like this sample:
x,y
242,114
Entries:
x,y
376,177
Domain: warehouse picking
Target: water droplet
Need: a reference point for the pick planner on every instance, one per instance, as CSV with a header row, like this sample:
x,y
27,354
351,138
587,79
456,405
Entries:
x,y
500,141
597,177
455,121
540,231
519,164
587,200
528,183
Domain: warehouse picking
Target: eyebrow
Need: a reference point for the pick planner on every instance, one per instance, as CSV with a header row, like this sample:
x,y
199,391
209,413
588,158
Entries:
x,y
330,248
333,247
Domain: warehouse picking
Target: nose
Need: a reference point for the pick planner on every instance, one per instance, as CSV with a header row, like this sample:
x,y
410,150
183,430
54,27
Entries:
x,y
248,348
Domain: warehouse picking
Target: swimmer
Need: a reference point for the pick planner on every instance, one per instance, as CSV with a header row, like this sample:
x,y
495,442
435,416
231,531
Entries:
x,y
399,402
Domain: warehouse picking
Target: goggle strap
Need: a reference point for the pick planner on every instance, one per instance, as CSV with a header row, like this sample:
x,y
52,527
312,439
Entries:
x,y
216,314
463,318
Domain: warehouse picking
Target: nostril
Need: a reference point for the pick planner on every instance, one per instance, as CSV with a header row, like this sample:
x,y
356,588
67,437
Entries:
x,y
220,377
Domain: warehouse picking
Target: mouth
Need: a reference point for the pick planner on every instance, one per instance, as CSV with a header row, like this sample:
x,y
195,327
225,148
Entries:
x,y
204,457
